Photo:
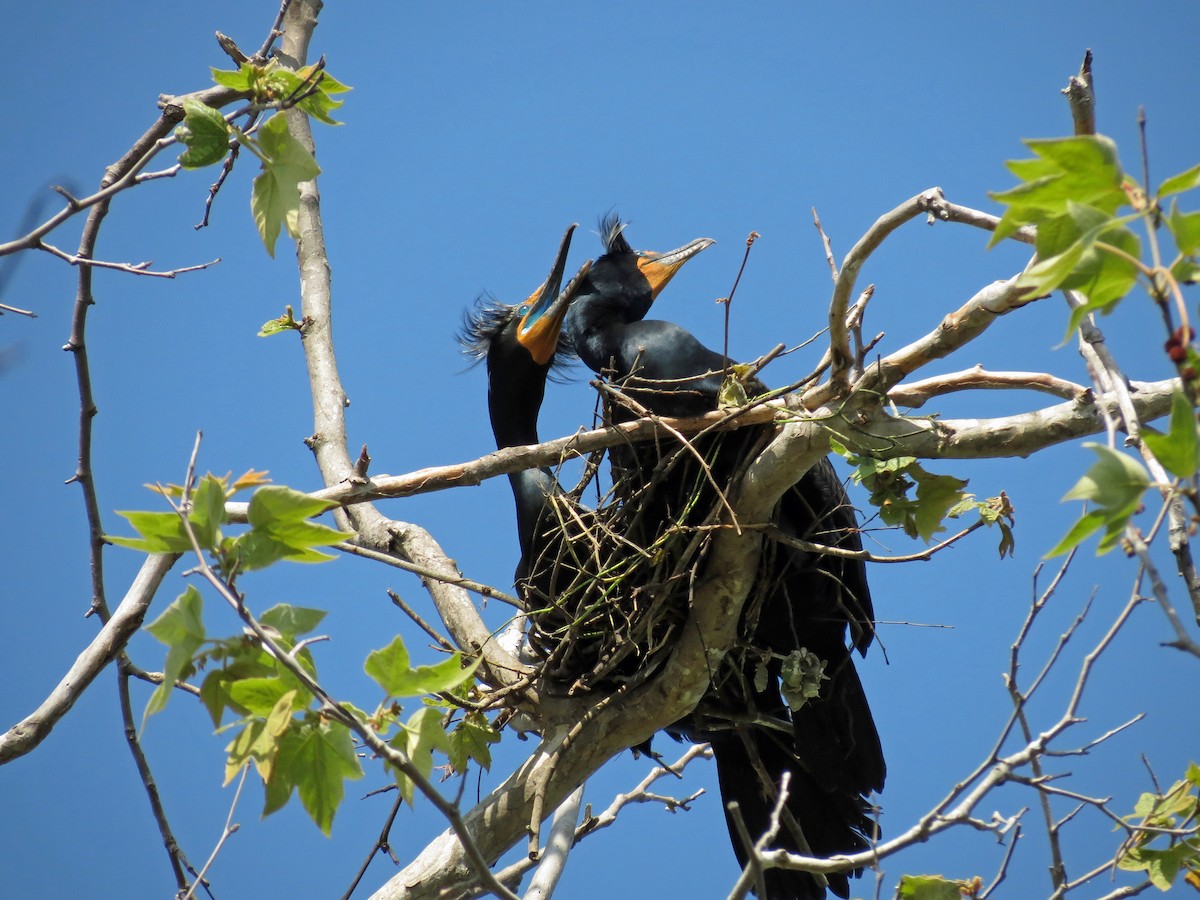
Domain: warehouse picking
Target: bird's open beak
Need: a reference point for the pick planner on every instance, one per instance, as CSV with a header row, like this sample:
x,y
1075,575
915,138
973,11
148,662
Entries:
x,y
546,308
660,268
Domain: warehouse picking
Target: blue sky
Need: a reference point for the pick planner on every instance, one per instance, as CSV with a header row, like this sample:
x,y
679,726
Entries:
x,y
474,135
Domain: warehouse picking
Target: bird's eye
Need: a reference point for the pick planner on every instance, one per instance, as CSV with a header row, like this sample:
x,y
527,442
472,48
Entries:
x,y
523,309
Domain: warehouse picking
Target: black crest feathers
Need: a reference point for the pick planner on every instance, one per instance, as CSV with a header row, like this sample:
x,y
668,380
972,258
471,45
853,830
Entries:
x,y
612,233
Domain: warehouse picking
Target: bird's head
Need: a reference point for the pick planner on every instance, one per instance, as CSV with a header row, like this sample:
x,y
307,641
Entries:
x,y
540,317
625,282
534,325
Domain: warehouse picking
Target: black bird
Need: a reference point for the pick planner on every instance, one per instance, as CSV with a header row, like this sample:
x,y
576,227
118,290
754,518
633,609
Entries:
x,y
804,602
520,345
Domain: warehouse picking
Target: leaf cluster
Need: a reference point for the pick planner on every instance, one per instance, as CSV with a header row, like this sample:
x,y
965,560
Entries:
x,y
1072,191
1169,818
206,133
997,511
279,728
428,729
920,513
279,527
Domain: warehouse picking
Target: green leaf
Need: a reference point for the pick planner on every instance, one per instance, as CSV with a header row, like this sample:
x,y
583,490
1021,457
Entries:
x,y
182,621
1008,543
207,514
257,550
181,628
1184,181
426,735
1083,169
280,716
1116,481
1091,160
470,740
238,81
391,670
732,393
930,887
936,496
277,504
1114,484
1162,866
319,104
275,198
280,530
1076,251
1088,525
162,532
1186,271
318,762
1047,274
1101,274
278,791
214,694
258,695
1193,775
1178,450
259,741
204,132
292,621
305,535
286,322
278,326
1185,229
389,666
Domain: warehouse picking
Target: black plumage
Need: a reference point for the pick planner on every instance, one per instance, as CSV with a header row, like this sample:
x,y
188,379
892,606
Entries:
x,y
520,346
801,607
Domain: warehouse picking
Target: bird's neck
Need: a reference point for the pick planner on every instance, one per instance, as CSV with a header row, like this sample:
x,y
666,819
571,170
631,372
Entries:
x,y
514,413
601,331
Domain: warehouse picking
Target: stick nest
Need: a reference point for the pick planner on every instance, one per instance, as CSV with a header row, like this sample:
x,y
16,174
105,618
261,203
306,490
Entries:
x,y
610,589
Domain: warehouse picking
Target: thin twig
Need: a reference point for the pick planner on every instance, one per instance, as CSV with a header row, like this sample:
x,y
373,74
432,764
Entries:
x,y
175,853
382,845
833,270
227,832
774,533
476,587
420,622
142,268
727,302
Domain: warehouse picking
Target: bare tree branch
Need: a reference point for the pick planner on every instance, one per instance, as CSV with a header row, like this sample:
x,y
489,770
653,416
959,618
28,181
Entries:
x,y
1081,95
126,172
111,639
329,442
142,268
175,853
917,393
839,338
227,832
557,849
996,438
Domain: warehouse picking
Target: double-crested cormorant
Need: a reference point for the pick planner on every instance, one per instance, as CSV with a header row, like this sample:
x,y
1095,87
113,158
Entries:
x,y
803,605
519,344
